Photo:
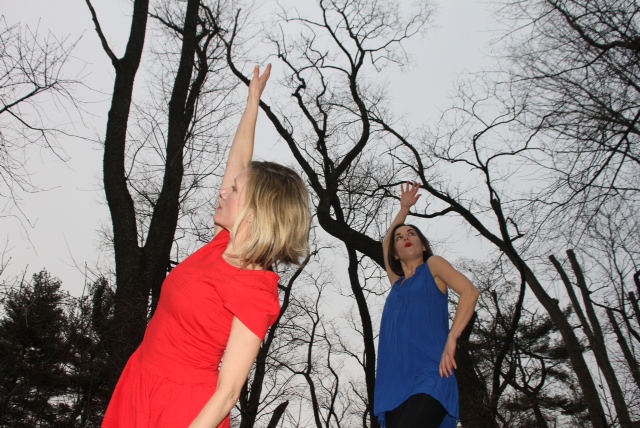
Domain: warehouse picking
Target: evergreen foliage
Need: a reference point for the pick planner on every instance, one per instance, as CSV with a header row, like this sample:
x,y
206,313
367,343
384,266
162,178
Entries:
x,y
52,366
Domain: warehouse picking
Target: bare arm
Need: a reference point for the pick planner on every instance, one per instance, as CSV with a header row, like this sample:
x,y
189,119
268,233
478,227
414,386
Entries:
x,y
242,349
241,151
408,197
446,275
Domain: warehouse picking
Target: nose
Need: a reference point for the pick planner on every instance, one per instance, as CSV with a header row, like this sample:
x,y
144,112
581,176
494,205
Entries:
x,y
224,192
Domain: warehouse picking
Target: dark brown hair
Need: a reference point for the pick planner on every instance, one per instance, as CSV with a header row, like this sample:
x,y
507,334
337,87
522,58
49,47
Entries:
x,y
393,263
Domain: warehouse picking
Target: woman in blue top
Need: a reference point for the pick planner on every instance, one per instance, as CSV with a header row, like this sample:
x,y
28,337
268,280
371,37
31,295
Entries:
x,y
415,384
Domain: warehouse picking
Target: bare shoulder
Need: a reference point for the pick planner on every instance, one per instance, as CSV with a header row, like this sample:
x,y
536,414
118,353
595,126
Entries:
x,y
443,271
438,264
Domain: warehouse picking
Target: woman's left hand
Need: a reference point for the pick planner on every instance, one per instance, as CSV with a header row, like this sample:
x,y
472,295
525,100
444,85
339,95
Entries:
x,y
409,194
448,362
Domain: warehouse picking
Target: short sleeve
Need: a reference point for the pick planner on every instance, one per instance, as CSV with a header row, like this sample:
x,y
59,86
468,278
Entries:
x,y
256,305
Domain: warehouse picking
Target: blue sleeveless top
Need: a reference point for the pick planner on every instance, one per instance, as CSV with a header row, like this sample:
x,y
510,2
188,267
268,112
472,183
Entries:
x,y
413,332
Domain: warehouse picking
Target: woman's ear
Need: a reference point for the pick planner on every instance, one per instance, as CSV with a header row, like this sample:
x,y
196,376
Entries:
x,y
252,214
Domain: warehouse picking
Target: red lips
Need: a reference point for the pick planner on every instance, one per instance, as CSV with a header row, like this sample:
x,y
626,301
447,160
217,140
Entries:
x,y
408,244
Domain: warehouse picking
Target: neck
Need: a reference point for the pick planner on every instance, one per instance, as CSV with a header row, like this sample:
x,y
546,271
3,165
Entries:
x,y
230,255
409,267
231,258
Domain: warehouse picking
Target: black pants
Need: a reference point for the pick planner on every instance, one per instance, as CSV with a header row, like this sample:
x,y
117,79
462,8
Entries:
x,y
419,411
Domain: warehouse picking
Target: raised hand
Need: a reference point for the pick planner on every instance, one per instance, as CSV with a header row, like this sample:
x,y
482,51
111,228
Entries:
x,y
409,194
258,82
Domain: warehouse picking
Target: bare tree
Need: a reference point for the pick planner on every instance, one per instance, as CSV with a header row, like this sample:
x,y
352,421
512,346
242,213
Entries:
x,y
143,233
614,259
593,330
311,361
34,77
131,294
203,157
578,64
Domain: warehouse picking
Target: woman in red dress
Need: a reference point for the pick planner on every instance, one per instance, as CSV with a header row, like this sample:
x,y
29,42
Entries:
x,y
217,305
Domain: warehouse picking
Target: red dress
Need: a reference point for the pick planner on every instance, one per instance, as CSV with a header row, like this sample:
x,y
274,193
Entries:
x,y
174,372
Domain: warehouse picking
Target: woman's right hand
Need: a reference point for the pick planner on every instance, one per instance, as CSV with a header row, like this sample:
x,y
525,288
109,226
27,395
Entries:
x,y
258,82
409,194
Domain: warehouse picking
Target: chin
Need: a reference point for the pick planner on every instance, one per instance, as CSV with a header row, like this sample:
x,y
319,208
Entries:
x,y
219,221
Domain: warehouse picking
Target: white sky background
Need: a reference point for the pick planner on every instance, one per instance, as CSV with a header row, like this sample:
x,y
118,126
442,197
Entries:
x,y
63,234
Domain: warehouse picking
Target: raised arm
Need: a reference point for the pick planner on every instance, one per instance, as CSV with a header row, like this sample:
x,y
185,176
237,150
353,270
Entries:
x,y
242,349
447,275
408,197
241,151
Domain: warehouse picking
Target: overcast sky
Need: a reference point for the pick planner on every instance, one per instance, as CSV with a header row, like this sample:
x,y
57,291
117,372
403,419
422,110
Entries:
x,y
63,235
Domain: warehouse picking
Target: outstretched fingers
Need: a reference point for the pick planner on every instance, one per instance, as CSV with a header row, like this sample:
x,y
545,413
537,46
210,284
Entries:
x,y
258,82
409,194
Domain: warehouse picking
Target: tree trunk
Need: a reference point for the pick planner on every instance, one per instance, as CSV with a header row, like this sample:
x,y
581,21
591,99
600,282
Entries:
x,y
572,344
593,332
599,348
634,368
140,272
475,411
367,334
164,220
131,296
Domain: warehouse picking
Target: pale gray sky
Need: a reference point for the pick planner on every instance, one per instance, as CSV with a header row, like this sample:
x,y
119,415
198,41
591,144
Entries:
x,y
65,219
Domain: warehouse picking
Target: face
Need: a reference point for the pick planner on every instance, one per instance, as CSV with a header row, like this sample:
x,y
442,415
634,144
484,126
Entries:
x,y
231,202
407,244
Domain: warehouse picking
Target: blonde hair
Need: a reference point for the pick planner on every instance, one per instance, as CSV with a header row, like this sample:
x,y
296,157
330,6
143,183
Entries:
x,y
279,201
